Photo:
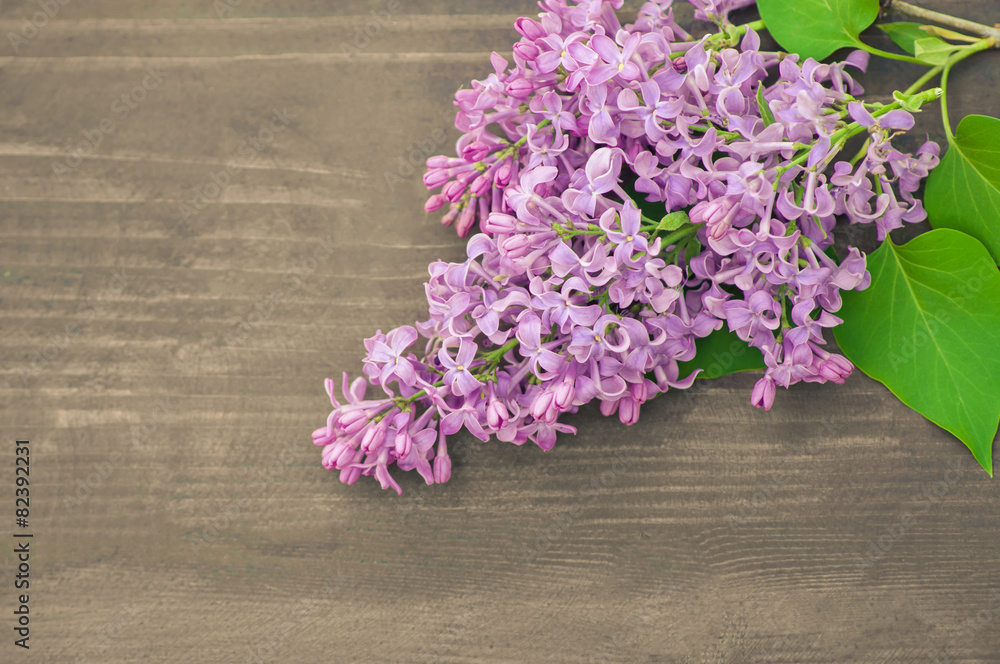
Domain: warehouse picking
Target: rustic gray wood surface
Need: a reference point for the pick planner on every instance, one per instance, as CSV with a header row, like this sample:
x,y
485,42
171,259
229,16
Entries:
x,y
180,510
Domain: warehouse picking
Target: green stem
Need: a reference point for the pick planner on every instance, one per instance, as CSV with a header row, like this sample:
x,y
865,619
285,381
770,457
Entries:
x,y
887,54
923,80
839,137
981,45
672,238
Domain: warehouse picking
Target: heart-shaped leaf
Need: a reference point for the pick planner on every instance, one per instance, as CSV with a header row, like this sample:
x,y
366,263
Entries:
x,y
928,327
963,192
933,51
817,28
904,34
721,353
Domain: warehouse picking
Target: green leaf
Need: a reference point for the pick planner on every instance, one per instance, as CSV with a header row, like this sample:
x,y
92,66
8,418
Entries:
x,y
904,34
817,28
673,221
765,110
928,327
933,51
721,353
963,192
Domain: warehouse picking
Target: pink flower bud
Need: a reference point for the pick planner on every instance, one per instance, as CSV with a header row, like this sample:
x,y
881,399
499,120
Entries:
x,y
453,191
541,405
565,393
520,88
404,443
628,411
475,151
516,246
498,222
496,414
529,28
353,421
434,203
526,51
763,393
439,161
480,185
347,456
373,438
504,174
323,436
442,468
640,392
679,64
716,214
835,368
465,221
436,177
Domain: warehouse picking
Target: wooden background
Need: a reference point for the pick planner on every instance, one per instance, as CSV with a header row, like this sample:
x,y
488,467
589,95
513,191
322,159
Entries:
x,y
180,510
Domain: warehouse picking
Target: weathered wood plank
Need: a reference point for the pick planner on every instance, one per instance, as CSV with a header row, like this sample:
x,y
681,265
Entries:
x,y
182,513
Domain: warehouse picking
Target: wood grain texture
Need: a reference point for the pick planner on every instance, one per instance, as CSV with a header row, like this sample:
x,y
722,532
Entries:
x,y
181,512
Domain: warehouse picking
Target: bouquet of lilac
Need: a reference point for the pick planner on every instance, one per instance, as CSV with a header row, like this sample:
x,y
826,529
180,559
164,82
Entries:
x,y
634,194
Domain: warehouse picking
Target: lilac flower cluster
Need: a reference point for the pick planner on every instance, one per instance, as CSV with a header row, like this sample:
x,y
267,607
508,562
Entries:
x,y
571,290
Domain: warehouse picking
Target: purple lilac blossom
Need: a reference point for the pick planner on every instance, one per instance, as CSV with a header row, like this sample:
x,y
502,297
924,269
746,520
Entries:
x,y
569,293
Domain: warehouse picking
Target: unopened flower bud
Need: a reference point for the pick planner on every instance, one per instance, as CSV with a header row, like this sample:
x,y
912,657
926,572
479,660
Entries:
x,y
404,443
763,393
480,185
628,410
434,203
496,414
526,51
564,394
516,246
475,151
453,191
442,468
439,161
835,368
520,88
541,405
679,64
436,177
353,421
373,438
529,28
504,174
